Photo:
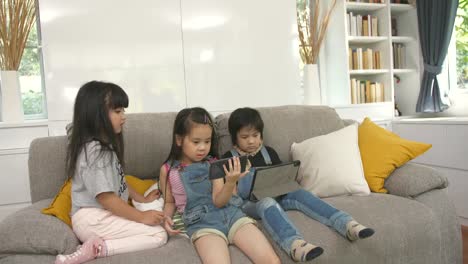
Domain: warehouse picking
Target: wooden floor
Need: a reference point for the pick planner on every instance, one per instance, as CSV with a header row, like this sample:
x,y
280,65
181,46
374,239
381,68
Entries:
x,y
465,244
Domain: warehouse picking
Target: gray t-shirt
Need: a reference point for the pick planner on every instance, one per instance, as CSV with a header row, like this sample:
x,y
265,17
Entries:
x,y
96,173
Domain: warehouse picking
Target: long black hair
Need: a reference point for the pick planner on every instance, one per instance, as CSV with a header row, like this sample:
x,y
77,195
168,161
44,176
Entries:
x,y
91,121
244,117
182,125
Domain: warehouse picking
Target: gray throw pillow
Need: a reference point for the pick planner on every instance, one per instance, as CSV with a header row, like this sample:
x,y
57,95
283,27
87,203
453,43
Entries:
x,y
28,231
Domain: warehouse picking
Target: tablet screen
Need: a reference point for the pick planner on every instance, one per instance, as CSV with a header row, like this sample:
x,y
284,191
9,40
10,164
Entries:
x,y
217,170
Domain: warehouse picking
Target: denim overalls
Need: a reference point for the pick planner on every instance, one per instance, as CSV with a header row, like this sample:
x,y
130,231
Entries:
x,y
272,210
200,212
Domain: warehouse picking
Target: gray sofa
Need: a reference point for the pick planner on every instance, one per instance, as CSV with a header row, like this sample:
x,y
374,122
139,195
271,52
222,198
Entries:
x,y
415,223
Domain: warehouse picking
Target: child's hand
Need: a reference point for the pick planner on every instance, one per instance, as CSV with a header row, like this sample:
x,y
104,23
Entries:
x,y
234,172
152,217
168,223
153,195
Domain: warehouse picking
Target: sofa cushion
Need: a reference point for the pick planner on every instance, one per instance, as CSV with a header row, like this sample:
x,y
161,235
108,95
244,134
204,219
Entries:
x,y
28,231
383,151
331,164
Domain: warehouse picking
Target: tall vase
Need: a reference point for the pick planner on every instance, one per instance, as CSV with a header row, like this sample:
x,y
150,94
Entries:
x,y
312,94
11,104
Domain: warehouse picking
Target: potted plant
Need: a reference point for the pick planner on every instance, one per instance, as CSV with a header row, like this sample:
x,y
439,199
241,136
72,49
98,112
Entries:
x,y
312,24
16,20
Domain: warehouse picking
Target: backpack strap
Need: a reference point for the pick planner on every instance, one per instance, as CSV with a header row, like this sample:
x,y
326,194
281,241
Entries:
x,y
234,153
266,155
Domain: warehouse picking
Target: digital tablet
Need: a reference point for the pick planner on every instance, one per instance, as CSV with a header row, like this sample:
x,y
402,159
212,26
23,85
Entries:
x,y
272,181
217,170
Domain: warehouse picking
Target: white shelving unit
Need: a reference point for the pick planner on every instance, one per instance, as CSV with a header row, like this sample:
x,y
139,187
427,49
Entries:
x,y
407,90
336,73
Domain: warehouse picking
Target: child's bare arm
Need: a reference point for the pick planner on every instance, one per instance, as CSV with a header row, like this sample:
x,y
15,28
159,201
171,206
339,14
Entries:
x,y
222,192
153,195
169,202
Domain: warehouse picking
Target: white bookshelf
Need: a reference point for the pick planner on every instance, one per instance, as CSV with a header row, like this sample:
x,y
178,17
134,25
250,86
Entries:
x,y
334,60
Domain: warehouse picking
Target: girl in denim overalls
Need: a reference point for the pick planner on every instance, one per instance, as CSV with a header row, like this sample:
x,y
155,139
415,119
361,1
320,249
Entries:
x,y
246,129
211,213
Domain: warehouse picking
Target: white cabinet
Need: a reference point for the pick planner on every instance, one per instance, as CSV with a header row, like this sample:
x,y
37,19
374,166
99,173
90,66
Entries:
x,y
342,68
14,144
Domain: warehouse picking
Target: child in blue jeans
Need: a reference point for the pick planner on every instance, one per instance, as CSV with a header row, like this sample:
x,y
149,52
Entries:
x,y
246,129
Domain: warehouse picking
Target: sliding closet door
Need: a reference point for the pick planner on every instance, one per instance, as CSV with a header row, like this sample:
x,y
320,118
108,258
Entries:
x,y
240,53
136,44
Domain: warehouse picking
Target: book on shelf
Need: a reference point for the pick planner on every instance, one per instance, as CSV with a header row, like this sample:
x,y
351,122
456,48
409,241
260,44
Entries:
x,y
366,91
374,27
365,26
394,26
399,56
368,1
399,1
377,60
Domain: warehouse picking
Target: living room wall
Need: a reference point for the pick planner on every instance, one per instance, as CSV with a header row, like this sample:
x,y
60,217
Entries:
x,y
171,54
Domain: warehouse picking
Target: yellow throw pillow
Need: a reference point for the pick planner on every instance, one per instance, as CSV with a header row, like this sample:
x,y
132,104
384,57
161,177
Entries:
x,y
383,151
139,185
61,205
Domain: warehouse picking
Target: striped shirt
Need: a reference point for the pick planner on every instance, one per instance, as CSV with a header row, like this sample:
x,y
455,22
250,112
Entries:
x,y
177,187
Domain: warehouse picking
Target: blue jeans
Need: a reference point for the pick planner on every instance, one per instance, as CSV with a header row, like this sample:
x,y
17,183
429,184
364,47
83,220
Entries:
x,y
280,227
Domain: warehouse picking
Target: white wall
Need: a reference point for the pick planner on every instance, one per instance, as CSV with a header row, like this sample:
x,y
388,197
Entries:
x,y
171,54
167,55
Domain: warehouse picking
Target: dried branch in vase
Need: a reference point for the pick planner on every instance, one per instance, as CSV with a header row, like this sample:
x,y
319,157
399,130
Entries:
x,y
311,28
16,20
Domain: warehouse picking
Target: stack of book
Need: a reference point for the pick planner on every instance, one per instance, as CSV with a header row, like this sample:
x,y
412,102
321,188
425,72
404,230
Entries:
x,y
399,56
366,91
368,1
363,59
362,25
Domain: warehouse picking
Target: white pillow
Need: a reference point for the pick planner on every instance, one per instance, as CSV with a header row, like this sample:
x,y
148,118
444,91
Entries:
x,y
157,204
331,164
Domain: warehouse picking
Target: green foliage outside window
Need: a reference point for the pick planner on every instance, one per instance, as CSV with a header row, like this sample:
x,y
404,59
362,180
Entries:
x,y
461,28
30,77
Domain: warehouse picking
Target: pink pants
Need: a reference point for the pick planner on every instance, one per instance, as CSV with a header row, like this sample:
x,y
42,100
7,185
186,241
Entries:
x,y
121,235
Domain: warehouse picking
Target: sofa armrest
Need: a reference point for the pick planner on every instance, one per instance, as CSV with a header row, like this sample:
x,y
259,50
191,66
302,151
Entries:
x,y
412,180
348,122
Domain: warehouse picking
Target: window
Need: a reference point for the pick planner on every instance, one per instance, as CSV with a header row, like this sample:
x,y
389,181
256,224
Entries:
x,y
453,80
454,77
461,33
31,80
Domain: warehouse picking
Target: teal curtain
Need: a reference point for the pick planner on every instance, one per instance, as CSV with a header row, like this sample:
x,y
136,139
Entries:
x,y
435,21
